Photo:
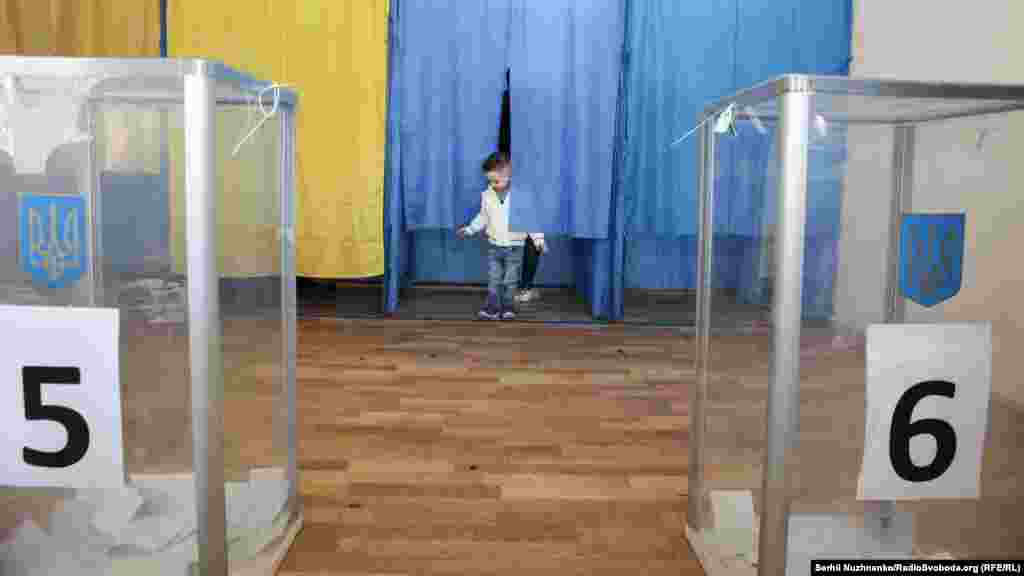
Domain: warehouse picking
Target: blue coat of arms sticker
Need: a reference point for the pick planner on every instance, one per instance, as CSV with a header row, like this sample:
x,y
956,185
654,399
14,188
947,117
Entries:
x,y
53,238
931,257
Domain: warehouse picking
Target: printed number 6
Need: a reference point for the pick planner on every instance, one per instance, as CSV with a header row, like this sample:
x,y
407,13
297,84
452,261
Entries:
x,y
33,378
902,430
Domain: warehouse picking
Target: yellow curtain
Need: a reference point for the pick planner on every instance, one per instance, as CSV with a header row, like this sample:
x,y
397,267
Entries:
x,y
335,54
127,136
96,28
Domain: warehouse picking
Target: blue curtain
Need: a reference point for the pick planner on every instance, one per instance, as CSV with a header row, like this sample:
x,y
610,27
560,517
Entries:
x,y
683,56
163,28
447,74
566,60
566,86
452,60
805,37
782,36
438,256
601,261
599,90
754,189
396,240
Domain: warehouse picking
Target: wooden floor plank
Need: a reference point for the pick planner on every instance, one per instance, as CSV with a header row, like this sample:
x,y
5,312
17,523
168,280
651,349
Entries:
x,y
452,448
437,448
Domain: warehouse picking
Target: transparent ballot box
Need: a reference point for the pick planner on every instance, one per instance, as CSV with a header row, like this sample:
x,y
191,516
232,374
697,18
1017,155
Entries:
x,y
147,296
856,392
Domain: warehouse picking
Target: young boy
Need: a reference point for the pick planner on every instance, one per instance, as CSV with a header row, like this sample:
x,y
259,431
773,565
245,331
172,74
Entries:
x,y
505,250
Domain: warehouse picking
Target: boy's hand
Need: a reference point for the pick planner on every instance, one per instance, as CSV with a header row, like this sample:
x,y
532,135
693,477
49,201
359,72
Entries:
x,y
461,232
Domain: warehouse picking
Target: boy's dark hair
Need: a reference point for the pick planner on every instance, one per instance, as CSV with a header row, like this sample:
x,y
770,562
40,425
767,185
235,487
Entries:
x,y
495,161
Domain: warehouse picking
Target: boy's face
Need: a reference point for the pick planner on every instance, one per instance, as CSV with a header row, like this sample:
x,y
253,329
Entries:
x,y
499,179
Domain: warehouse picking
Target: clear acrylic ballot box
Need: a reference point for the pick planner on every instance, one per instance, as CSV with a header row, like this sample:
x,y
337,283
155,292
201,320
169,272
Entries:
x,y
857,392
146,259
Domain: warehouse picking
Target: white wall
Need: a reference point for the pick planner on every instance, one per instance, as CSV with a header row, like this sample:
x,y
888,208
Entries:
x,y
979,41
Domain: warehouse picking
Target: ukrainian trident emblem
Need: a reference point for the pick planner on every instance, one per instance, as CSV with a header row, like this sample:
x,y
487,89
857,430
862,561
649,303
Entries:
x,y
931,257
53,239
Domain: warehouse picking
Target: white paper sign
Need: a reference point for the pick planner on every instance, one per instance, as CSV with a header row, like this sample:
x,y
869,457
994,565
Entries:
x,y
60,398
928,388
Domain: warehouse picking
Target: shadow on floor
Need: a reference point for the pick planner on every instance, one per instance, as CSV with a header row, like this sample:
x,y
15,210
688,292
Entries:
x,y
364,299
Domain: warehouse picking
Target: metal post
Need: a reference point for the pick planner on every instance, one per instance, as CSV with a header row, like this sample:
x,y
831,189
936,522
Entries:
x,y
902,188
204,327
784,388
94,221
895,308
167,248
288,297
695,513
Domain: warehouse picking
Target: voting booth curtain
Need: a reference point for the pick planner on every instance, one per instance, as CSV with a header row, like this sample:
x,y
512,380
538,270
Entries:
x,y
682,56
448,73
598,92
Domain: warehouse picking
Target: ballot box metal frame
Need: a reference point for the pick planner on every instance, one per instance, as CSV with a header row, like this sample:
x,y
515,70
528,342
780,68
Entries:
x,y
789,102
200,85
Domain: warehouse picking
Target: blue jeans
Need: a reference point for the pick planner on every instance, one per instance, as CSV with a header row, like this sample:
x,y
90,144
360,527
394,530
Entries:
x,y
503,264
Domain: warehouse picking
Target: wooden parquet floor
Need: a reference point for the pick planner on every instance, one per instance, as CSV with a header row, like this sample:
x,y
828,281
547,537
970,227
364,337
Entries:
x,y
442,448
486,448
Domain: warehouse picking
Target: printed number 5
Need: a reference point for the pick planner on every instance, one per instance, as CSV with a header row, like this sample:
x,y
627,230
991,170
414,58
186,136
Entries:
x,y
902,430
33,378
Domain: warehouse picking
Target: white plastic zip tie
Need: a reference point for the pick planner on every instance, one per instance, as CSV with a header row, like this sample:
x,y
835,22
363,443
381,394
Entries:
x,y
276,88
820,125
725,121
